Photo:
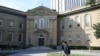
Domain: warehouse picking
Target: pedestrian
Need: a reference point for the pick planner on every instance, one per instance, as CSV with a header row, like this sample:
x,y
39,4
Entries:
x,y
66,51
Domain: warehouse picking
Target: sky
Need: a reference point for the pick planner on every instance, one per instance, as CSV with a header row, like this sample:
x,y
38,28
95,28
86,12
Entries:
x,y
24,5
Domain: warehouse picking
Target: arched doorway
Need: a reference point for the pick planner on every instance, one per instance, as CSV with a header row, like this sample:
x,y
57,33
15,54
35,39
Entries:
x,y
41,39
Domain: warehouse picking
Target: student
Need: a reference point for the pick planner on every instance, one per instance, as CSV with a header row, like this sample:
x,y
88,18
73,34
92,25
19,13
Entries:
x,y
66,49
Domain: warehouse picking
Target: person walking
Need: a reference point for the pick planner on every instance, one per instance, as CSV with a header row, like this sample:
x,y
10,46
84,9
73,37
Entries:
x,y
66,51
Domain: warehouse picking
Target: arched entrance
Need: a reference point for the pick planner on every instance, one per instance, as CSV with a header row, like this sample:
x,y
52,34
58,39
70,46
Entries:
x,y
41,39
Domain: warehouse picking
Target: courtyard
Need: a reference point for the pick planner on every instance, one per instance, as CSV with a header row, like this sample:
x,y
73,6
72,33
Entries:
x,y
45,51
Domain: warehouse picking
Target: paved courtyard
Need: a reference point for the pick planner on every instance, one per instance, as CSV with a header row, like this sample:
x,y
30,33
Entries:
x,y
42,51
35,51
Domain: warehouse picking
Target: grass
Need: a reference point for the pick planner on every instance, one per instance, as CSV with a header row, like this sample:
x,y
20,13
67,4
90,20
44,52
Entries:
x,y
60,54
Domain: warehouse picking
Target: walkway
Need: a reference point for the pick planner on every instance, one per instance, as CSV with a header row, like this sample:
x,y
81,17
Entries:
x,y
42,51
35,51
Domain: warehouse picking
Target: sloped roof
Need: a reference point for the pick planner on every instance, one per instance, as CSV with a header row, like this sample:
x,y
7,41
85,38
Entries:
x,y
42,8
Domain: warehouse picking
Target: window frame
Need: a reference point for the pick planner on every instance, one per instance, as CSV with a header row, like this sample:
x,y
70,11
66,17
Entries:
x,y
78,37
62,22
70,23
78,18
41,23
11,36
11,24
21,37
87,23
88,37
69,38
62,38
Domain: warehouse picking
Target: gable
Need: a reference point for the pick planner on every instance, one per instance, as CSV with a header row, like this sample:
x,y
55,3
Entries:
x,y
41,10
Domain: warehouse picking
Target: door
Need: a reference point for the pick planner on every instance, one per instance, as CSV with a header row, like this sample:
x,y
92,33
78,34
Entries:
x,y
41,41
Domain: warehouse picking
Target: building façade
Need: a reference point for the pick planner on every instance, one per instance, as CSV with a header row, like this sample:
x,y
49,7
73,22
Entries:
x,y
42,26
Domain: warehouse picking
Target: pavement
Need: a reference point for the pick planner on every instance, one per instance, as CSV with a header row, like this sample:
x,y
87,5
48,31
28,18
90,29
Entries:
x,y
42,51
34,51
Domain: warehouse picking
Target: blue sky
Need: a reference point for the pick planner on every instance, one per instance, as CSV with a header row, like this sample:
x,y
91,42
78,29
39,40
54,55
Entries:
x,y
24,5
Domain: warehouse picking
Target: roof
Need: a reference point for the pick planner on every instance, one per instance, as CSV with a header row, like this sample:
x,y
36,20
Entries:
x,y
11,11
79,10
41,8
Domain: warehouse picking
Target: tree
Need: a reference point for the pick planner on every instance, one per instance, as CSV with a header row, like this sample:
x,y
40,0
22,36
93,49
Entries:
x,y
91,2
97,28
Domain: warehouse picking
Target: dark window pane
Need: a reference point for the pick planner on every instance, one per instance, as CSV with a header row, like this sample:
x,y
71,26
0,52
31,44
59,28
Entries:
x,y
20,37
70,26
62,27
0,23
78,25
70,40
41,35
20,25
10,37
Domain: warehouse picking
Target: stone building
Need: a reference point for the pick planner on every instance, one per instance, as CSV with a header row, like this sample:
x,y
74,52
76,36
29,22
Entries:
x,y
42,26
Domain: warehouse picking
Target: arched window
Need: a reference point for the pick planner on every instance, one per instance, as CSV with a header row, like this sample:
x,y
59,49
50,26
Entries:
x,y
41,23
87,20
78,21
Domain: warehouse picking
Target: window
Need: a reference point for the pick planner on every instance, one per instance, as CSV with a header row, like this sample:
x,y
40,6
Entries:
x,y
20,37
70,23
10,37
88,37
35,23
1,23
41,23
87,20
78,21
21,25
69,38
62,24
78,38
11,24
0,36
